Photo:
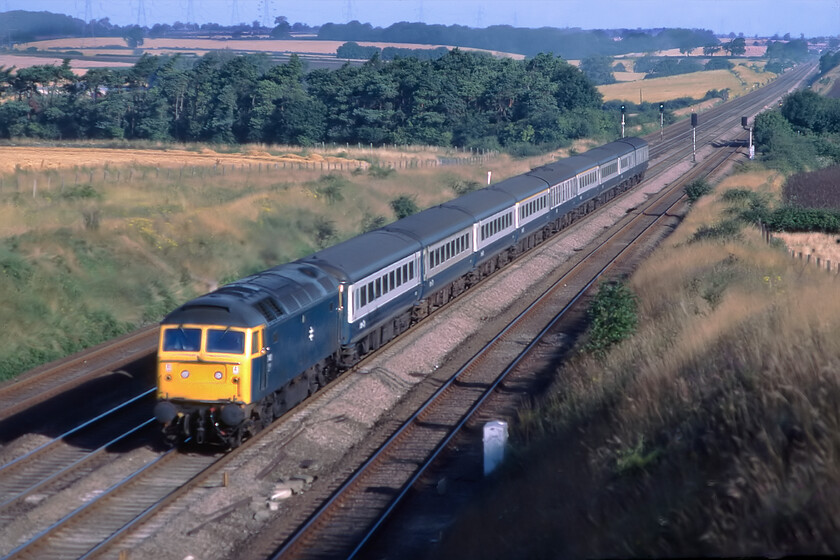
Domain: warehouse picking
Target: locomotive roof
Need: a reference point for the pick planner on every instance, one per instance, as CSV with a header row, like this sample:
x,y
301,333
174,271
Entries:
x,y
433,224
360,256
482,203
522,186
635,142
257,299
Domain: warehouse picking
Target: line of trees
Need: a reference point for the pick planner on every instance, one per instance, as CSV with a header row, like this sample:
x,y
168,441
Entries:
x,y
804,134
569,43
464,99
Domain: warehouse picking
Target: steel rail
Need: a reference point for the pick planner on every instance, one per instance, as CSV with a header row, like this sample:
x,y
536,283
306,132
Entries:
x,y
295,540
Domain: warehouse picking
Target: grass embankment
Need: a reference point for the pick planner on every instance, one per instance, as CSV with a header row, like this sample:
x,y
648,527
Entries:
x,y
713,431
81,262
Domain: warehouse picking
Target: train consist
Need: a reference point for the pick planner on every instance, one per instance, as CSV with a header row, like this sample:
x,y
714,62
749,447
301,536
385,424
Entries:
x,y
231,361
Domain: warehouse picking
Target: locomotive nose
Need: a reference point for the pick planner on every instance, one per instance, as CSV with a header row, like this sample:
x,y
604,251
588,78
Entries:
x,y
165,412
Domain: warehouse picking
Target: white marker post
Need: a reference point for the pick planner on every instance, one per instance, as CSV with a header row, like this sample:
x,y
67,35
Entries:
x,y
495,440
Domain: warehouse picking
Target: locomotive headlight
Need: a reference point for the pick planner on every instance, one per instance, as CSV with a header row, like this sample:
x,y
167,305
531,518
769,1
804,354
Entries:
x,y
185,374
218,375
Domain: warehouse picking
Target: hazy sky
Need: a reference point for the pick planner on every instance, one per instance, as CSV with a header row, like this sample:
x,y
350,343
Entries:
x,y
763,17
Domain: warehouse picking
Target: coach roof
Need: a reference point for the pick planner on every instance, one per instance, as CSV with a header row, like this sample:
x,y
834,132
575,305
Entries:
x,y
360,256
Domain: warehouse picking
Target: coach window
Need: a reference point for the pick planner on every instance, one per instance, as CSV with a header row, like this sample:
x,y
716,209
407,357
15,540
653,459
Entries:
x,y
371,295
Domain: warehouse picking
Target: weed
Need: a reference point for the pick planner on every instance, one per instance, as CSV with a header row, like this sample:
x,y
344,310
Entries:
x,y
636,458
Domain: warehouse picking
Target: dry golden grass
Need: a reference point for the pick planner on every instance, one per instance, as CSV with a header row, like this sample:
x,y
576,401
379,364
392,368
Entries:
x,y
657,90
629,76
39,158
826,83
752,78
79,67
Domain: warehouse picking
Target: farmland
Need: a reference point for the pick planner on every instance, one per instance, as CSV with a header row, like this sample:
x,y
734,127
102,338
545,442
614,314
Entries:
x,y
739,81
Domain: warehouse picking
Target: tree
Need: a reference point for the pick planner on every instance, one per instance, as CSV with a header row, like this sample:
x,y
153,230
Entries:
x,y
710,50
133,36
282,29
736,47
599,69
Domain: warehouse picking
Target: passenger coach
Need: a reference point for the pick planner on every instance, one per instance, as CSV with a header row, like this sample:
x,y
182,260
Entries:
x,y
230,361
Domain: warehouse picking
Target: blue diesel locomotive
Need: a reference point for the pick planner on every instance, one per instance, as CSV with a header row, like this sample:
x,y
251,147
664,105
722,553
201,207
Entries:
x,y
231,361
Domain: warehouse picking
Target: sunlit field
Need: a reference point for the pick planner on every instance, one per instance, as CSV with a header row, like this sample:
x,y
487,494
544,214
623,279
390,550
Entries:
x,y
739,81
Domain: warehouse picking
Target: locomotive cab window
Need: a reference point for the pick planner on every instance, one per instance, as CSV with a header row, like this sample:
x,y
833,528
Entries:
x,y
255,342
225,341
180,339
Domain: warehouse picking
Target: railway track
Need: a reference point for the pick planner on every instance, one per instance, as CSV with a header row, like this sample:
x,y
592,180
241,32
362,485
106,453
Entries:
x,y
134,347
55,378
361,505
70,456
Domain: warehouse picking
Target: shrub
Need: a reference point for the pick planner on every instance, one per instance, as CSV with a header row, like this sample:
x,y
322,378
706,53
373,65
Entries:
x,y
816,189
371,222
82,191
404,205
804,219
613,316
697,189
378,172
330,186
324,231
463,186
725,230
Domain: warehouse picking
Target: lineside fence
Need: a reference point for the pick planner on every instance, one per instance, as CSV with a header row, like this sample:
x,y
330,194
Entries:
x,y
48,179
25,178
808,258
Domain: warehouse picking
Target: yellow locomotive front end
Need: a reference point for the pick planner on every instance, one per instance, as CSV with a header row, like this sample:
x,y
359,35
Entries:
x,y
204,380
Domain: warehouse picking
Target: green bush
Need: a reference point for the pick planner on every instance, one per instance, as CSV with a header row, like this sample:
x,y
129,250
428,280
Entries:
x,y
727,229
697,189
404,205
613,316
80,192
463,186
804,219
378,172
371,222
